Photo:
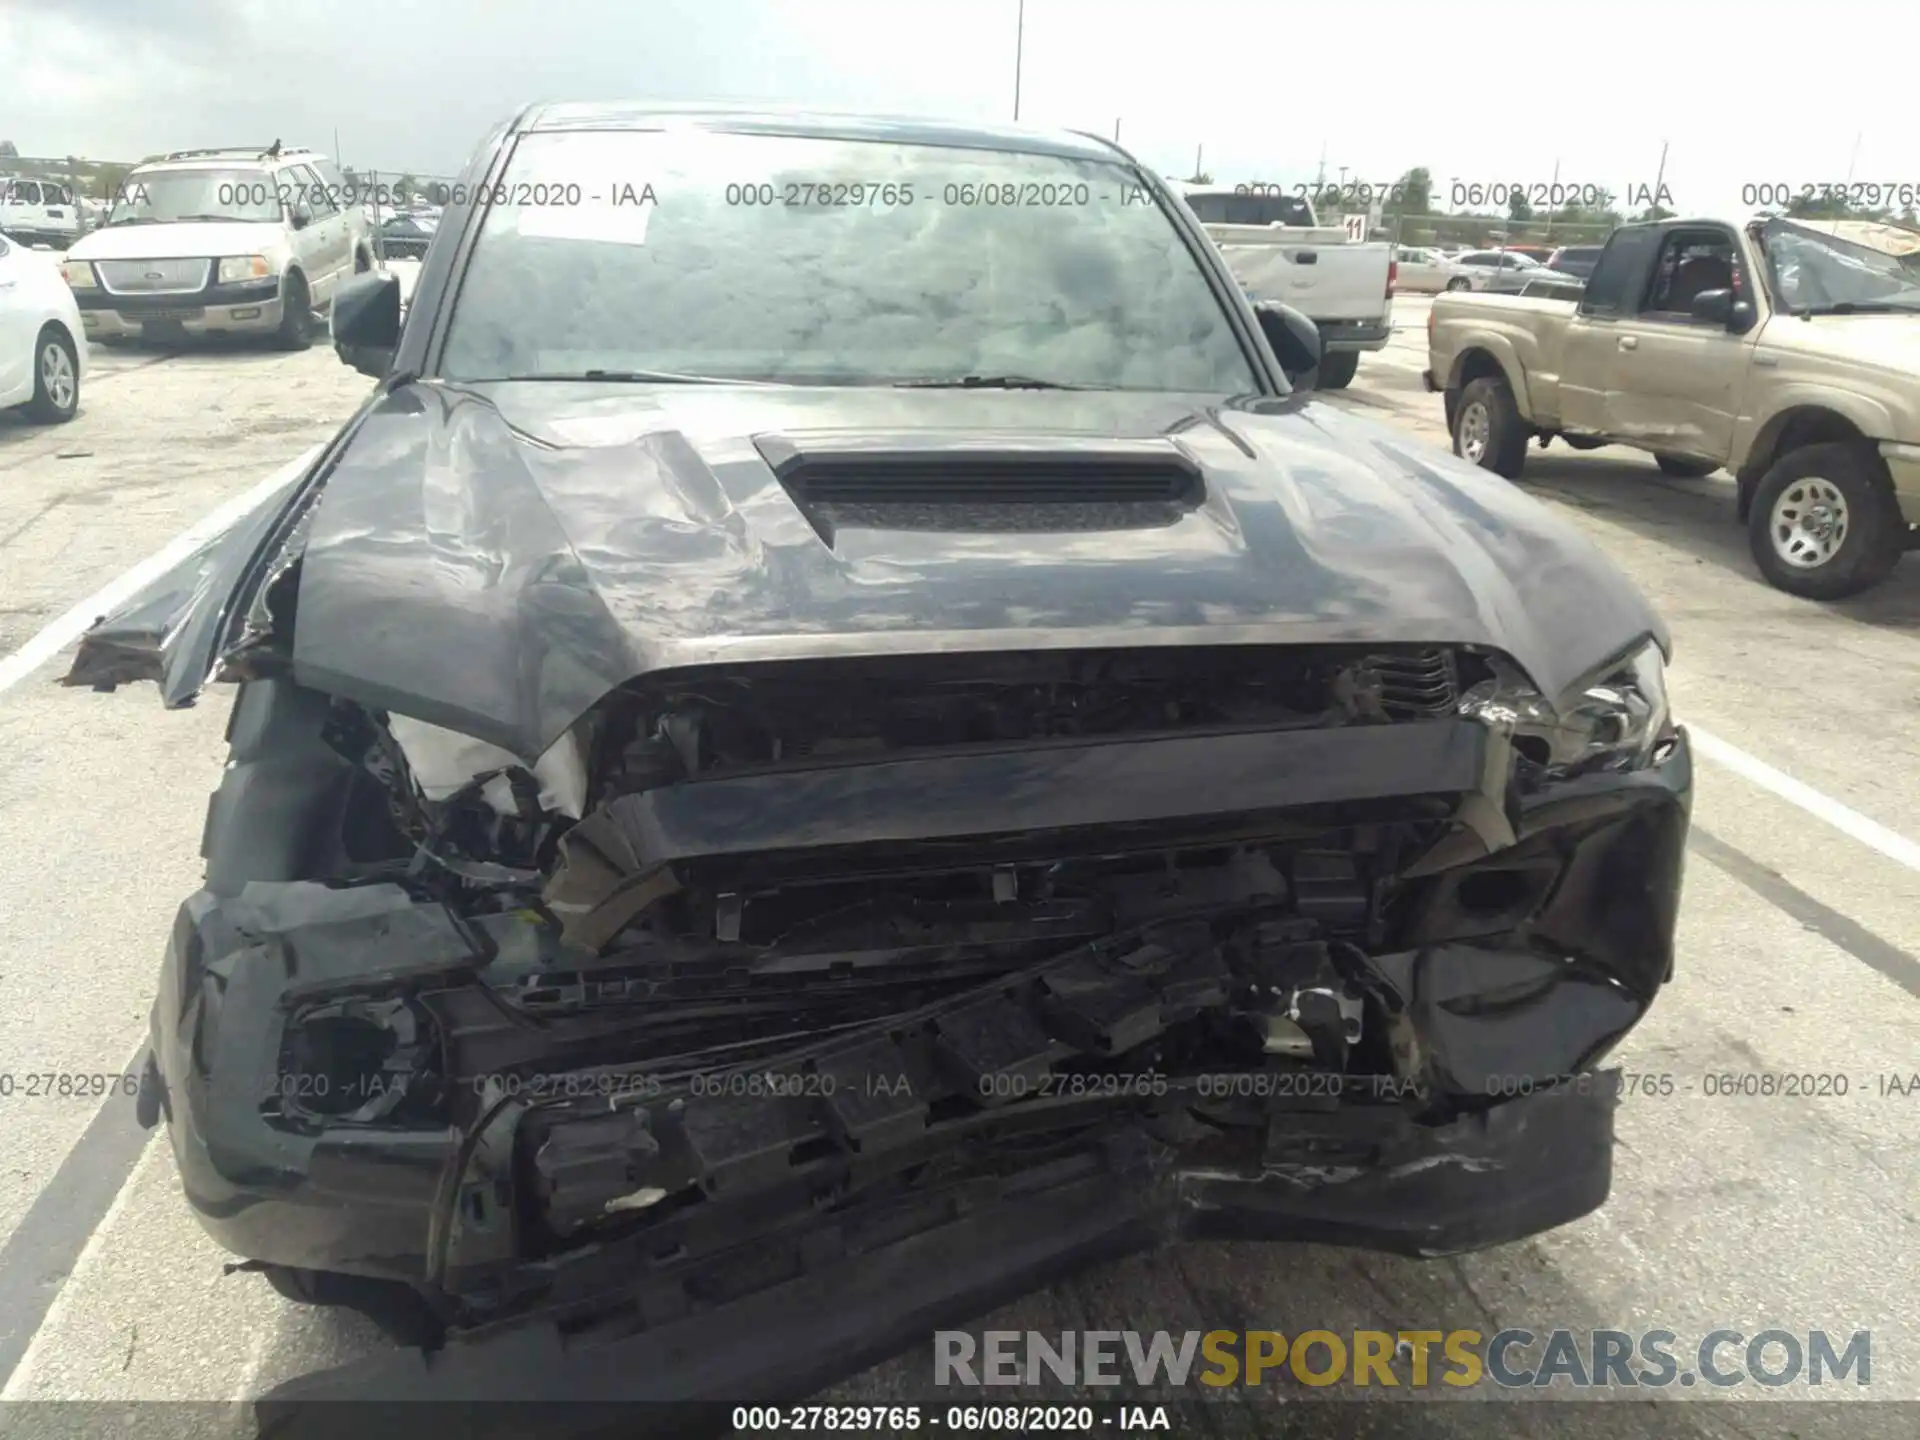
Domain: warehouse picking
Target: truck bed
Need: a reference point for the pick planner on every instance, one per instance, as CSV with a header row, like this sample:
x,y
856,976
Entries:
x,y
1315,270
1526,333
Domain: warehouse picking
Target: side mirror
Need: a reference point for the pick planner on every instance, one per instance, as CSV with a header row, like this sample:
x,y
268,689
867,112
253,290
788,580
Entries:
x,y
1741,317
300,215
365,321
1295,341
1714,305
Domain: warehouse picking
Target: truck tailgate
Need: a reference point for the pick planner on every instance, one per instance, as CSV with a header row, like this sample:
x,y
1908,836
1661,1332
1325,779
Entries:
x,y
1324,280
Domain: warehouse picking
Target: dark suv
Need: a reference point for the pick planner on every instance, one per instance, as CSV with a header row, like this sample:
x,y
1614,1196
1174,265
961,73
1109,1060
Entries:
x,y
1575,260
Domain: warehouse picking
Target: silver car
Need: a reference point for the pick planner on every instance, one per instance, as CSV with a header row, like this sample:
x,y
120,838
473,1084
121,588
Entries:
x,y
1500,271
1423,271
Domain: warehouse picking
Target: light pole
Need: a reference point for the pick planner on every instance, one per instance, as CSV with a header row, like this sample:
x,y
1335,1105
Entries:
x,y
1019,41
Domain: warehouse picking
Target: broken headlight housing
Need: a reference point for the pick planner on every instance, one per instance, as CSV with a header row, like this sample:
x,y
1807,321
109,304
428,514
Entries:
x,y
1615,719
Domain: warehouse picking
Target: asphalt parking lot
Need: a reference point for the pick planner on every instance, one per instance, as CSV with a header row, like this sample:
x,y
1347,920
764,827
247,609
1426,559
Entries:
x,y
1799,940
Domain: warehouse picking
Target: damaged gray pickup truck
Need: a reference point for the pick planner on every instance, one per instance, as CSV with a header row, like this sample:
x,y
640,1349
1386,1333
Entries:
x,y
820,754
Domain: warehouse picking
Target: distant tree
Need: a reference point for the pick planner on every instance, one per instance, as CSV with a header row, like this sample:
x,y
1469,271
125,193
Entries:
x,y
1600,214
107,180
9,150
1415,193
1654,212
1518,210
1199,177
1822,207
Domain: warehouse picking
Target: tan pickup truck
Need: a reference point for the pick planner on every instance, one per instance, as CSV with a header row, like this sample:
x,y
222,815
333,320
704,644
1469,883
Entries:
x,y
1782,351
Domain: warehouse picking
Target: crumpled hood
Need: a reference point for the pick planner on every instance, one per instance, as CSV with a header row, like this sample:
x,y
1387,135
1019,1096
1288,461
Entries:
x,y
496,558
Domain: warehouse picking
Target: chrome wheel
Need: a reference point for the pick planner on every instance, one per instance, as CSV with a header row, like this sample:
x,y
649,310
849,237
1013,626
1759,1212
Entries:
x,y
56,375
1476,427
1808,523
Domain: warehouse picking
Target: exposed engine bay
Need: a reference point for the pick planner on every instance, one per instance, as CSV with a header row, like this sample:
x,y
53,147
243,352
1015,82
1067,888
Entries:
x,y
776,945
478,814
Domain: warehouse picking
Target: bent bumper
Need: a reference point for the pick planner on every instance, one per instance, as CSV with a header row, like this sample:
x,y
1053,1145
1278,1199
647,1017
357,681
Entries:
x,y
1515,965
1342,335
1524,1167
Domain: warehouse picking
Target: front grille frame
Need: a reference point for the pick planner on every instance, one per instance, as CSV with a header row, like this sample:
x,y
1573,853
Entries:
x,y
1418,683
181,276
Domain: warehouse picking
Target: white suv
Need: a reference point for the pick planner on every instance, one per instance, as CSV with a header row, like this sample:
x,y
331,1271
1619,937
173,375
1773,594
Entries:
x,y
208,242
39,212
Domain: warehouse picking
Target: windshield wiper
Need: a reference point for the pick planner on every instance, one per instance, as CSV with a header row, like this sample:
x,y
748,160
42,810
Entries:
x,y
643,377
986,382
1862,307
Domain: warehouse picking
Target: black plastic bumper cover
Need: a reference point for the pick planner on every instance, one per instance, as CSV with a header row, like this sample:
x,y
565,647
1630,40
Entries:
x,y
1523,1167
209,297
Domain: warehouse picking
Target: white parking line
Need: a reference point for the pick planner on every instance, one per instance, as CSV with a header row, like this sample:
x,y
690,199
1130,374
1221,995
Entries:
x,y
49,1325
75,622
1847,821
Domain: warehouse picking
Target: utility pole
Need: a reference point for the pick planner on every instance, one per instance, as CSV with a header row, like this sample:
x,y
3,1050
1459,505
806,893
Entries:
x,y
1019,43
1198,150
1320,177
1116,129
1660,175
1553,198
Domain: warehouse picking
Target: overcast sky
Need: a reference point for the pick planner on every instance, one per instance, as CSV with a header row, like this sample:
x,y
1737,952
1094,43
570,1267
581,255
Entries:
x,y
1743,93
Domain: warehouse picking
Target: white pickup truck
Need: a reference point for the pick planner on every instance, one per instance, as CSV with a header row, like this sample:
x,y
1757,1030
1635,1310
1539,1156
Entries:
x,y
1780,350
39,212
1279,251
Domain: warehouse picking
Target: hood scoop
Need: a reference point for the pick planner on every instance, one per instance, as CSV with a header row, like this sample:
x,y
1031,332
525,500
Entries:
x,y
943,482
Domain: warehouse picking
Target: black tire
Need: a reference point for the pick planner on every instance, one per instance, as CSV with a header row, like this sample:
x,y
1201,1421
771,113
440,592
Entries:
x,y
1682,468
1873,537
1504,451
1337,370
47,407
296,314
1458,282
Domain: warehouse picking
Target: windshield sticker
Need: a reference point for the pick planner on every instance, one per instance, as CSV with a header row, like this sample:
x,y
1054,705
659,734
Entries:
x,y
608,224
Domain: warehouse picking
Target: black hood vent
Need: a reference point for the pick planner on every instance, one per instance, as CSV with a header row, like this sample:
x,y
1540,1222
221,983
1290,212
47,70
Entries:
x,y
966,480
937,482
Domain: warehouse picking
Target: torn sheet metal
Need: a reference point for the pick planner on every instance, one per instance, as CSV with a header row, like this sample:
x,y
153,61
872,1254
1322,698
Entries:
x,y
445,761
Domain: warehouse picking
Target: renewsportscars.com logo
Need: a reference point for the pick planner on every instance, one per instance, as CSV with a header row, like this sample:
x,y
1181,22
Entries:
x,y
1510,1359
